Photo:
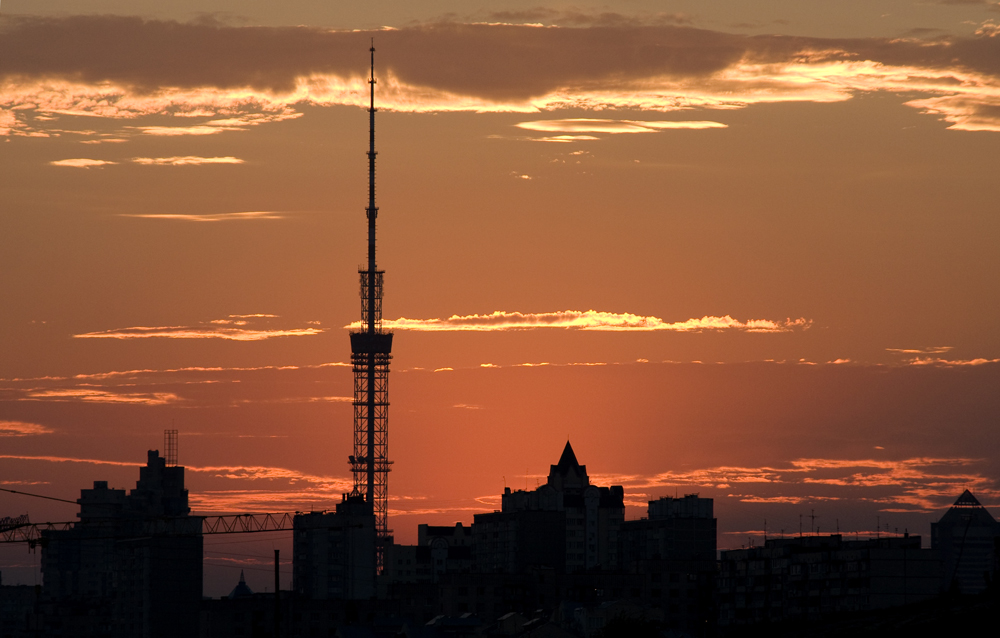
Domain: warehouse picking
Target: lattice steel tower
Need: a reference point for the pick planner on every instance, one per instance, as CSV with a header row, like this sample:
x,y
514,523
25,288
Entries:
x,y
370,355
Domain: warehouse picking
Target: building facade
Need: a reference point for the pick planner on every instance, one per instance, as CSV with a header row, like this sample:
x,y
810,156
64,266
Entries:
x,y
813,578
333,553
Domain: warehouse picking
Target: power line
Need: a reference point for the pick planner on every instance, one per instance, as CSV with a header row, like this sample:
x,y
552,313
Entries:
x,y
50,498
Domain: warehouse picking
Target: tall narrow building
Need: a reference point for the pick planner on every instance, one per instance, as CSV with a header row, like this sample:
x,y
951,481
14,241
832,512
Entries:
x,y
370,356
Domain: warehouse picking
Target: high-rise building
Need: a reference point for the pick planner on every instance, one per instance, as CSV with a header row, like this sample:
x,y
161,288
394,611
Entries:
x,y
966,537
673,549
567,524
132,565
675,529
333,553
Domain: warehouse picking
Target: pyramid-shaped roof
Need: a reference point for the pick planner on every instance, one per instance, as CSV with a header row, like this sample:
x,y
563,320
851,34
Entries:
x,y
967,511
967,500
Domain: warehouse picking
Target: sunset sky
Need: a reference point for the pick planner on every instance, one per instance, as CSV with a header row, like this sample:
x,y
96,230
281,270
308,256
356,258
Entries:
x,y
740,248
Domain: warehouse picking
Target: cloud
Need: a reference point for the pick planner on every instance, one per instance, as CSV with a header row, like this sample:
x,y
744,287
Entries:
x,y
919,483
211,217
66,459
187,160
930,350
543,16
82,163
585,125
232,329
220,78
7,122
565,139
988,29
190,387
103,140
586,320
95,395
182,332
22,428
937,361
239,122
922,360
148,371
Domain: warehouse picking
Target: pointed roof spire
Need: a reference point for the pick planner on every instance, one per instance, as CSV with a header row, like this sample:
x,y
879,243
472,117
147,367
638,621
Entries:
x,y
242,590
568,458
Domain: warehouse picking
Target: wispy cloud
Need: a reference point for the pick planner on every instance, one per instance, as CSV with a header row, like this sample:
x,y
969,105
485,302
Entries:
x,y
184,332
584,125
7,122
211,217
22,428
66,459
189,387
917,484
587,320
96,395
105,140
929,350
185,160
238,122
937,361
564,139
82,162
234,328
923,357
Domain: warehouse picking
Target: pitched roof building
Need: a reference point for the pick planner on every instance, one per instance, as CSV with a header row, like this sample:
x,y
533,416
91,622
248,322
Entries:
x,y
966,537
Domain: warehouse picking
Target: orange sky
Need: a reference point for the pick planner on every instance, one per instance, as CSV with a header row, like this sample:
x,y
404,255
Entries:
x,y
748,251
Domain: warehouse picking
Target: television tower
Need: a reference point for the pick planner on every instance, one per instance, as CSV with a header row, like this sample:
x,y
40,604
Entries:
x,y
370,355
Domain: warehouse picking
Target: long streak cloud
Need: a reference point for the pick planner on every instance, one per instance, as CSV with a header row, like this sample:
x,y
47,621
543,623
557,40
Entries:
x,y
234,328
587,320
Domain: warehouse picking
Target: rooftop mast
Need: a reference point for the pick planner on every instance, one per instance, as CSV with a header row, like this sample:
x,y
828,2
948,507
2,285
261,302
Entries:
x,y
370,356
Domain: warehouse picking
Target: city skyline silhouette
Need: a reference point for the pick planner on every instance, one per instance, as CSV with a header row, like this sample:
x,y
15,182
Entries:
x,y
776,298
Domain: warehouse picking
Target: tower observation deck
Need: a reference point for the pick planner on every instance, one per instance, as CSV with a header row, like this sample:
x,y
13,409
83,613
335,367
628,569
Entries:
x,y
370,355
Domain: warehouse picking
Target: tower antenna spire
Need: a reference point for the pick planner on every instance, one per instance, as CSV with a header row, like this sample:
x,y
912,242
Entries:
x,y
370,355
